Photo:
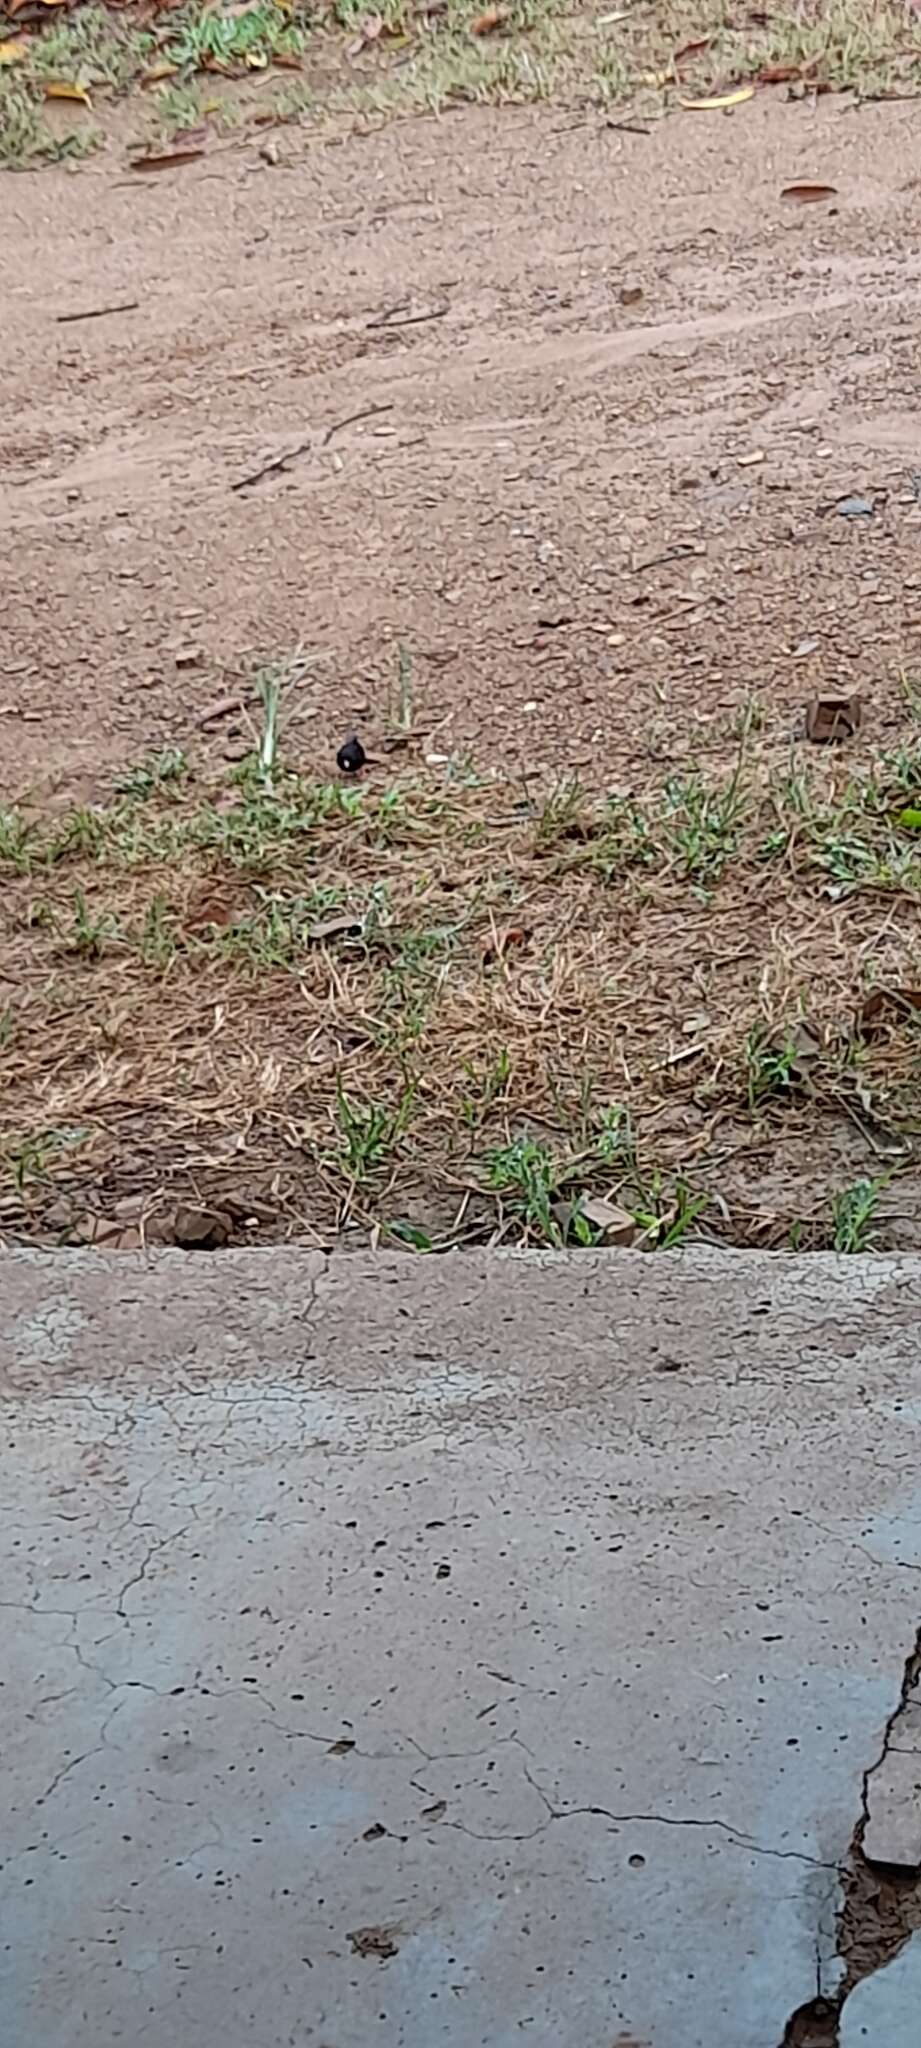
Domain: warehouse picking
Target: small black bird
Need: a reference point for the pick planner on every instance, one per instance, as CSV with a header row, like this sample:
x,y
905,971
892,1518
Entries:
x,y
351,756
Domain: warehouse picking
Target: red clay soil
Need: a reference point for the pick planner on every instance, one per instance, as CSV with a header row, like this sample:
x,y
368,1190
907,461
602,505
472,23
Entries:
x,y
545,444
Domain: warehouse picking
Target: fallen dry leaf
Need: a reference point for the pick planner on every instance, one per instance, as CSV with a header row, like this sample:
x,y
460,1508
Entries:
x,y
832,718
63,89
200,1230
617,1225
784,74
334,928
373,1941
496,947
163,160
808,195
720,99
157,73
487,23
884,1005
13,51
693,49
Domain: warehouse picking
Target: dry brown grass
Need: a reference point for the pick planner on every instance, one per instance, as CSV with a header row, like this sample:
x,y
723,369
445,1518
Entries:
x,y
444,1007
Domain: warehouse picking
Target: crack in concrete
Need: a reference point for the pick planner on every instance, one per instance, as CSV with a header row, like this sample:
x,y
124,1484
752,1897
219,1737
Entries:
x,y
64,1772
665,1820
882,1905
137,1578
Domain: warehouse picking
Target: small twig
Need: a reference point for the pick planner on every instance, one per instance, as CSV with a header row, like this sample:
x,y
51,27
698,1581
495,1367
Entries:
x,y
396,317
273,468
98,312
675,553
367,413
221,708
629,127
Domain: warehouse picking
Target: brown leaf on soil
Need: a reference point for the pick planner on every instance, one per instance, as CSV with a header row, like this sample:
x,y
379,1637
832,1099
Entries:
x,y
13,51
784,74
373,1941
487,23
808,195
886,1005
830,719
209,910
498,944
616,1225
200,1230
334,928
691,49
164,160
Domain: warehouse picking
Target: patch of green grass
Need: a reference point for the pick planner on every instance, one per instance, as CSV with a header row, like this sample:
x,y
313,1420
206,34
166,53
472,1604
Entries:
x,y
772,1068
88,932
90,47
161,771
657,56
157,941
30,1158
210,40
700,825
667,1216
18,841
853,1215
487,1082
530,1181
368,1132
26,139
178,107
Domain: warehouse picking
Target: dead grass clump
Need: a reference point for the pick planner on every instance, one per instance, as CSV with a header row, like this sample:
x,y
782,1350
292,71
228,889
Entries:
x,y
445,1008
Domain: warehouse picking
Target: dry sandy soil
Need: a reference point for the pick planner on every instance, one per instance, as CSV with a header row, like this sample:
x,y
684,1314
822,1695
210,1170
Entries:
x,y
602,524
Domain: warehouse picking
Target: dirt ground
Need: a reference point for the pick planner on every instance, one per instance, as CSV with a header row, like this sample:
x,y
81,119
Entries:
x,y
543,441
622,386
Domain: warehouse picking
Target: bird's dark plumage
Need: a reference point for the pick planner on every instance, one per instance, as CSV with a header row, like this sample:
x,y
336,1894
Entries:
x,y
351,756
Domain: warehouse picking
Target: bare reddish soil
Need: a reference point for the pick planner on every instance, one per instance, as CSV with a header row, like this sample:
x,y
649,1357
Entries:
x,y
543,443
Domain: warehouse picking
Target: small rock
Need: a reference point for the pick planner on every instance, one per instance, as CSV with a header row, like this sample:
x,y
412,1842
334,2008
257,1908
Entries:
x,y
631,292
269,150
855,507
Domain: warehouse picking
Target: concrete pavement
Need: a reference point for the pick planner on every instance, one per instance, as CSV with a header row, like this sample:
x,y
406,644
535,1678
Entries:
x,y
464,1651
